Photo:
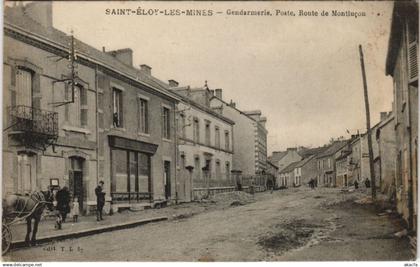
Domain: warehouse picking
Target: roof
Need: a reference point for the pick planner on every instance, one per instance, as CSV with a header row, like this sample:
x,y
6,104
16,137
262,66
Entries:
x,y
290,167
307,152
15,19
272,164
304,161
204,108
333,148
278,155
402,10
344,155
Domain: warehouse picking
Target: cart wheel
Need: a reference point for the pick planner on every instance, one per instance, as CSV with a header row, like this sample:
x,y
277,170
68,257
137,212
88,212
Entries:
x,y
6,239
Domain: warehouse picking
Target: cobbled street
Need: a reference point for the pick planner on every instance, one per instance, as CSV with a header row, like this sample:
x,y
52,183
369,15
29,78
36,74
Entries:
x,y
287,225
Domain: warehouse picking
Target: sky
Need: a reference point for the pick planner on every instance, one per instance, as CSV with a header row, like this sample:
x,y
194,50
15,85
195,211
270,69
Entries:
x,y
302,72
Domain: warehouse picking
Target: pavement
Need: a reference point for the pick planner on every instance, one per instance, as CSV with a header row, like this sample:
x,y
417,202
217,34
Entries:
x,y
288,225
88,225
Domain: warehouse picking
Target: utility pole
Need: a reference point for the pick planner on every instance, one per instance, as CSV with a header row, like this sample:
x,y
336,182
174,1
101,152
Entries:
x,y
369,136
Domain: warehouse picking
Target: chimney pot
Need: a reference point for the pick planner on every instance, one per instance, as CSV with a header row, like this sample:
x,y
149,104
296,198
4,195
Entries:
x,y
218,93
146,69
173,83
383,115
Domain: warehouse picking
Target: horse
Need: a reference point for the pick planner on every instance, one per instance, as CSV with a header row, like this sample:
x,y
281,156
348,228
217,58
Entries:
x,y
28,207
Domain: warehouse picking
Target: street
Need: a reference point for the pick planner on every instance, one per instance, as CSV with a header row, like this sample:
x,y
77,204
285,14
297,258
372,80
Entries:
x,y
288,225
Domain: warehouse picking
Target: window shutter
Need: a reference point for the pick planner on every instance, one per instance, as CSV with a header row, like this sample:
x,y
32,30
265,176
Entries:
x,y
122,94
83,116
66,98
13,76
138,114
36,91
412,51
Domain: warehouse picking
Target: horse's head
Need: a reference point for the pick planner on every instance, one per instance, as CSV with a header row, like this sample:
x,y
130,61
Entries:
x,y
48,198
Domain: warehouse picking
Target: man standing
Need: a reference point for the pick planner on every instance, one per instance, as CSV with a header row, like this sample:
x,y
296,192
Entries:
x,y
100,200
63,202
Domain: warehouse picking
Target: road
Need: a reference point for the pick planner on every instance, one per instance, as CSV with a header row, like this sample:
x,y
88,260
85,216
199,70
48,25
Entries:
x,y
288,225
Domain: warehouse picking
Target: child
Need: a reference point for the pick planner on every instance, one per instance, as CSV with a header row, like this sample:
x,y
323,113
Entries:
x,y
75,209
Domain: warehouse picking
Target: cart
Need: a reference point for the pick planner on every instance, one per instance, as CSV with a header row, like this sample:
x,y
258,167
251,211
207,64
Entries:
x,y
13,217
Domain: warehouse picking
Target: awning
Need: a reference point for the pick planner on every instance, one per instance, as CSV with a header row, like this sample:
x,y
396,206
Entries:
x,y
130,144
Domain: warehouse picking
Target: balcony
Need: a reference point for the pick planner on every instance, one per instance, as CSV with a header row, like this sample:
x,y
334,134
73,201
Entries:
x,y
33,127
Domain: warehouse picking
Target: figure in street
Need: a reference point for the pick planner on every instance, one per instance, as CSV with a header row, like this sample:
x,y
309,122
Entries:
x,y
63,202
100,200
75,209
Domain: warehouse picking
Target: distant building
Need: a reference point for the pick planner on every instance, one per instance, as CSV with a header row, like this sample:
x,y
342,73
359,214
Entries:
x,y
287,175
326,164
305,170
272,173
402,65
282,159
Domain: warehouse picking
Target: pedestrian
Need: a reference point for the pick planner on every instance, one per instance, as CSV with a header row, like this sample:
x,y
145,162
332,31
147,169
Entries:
x,y
252,189
100,200
63,202
75,209
58,220
367,183
356,184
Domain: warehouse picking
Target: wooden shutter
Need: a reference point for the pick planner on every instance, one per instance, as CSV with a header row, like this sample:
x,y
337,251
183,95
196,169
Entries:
x,y
83,106
121,111
36,91
412,51
138,114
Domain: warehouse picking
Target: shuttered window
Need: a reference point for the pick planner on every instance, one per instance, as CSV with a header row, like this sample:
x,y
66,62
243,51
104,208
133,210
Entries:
x,y
76,112
23,87
117,103
166,123
143,115
217,136
412,52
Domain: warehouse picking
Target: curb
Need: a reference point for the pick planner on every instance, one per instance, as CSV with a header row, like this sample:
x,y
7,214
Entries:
x,y
87,232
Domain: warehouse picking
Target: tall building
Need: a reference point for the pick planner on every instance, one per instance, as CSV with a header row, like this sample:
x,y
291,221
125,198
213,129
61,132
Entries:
x,y
402,65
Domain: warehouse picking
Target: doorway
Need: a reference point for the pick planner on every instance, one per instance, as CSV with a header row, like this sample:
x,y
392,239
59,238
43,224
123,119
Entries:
x,y
76,180
167,178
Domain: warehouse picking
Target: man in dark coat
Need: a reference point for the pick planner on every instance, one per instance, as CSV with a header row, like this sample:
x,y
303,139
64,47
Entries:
x,y
100,200
63,202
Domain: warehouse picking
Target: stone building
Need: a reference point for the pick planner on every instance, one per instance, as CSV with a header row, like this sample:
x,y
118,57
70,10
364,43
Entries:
x,y
385,160
204,143
59,136
249,135
402,65
326,171
283,158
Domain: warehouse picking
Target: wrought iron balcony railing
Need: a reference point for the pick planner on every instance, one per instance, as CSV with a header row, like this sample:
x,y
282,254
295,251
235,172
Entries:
x,y
34,121
131,197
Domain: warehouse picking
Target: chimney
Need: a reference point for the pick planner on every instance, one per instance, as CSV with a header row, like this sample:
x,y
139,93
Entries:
x,y
232,104
124,55
219,93
103,49
384,115
146,69
263,121
173,83
41,12
291,149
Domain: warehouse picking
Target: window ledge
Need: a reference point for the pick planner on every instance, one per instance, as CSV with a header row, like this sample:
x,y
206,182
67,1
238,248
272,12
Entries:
x,y
118,128
143,134
167,140
75,129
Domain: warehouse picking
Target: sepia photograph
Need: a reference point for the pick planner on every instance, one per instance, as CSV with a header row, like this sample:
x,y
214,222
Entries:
x,y
209,131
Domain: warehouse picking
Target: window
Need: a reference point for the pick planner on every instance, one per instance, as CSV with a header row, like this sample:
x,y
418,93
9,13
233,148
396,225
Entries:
x,y
196,130
166,123
182,125
26,173
197,169
130,171
329,163
23,87
207,133
227,170
227,140
76,112
217,136
117,108
218,170
143,108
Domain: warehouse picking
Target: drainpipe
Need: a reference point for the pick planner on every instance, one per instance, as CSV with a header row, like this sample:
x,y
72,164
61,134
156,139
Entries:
x,y
97,124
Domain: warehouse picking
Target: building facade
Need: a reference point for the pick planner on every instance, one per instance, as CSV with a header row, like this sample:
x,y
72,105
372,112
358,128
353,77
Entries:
x,y
282,159
250,136
326,171
63,128
204,143
402,65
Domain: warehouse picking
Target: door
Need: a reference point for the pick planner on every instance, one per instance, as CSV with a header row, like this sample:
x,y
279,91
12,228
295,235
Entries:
x,y
76,180
345,179
167,179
